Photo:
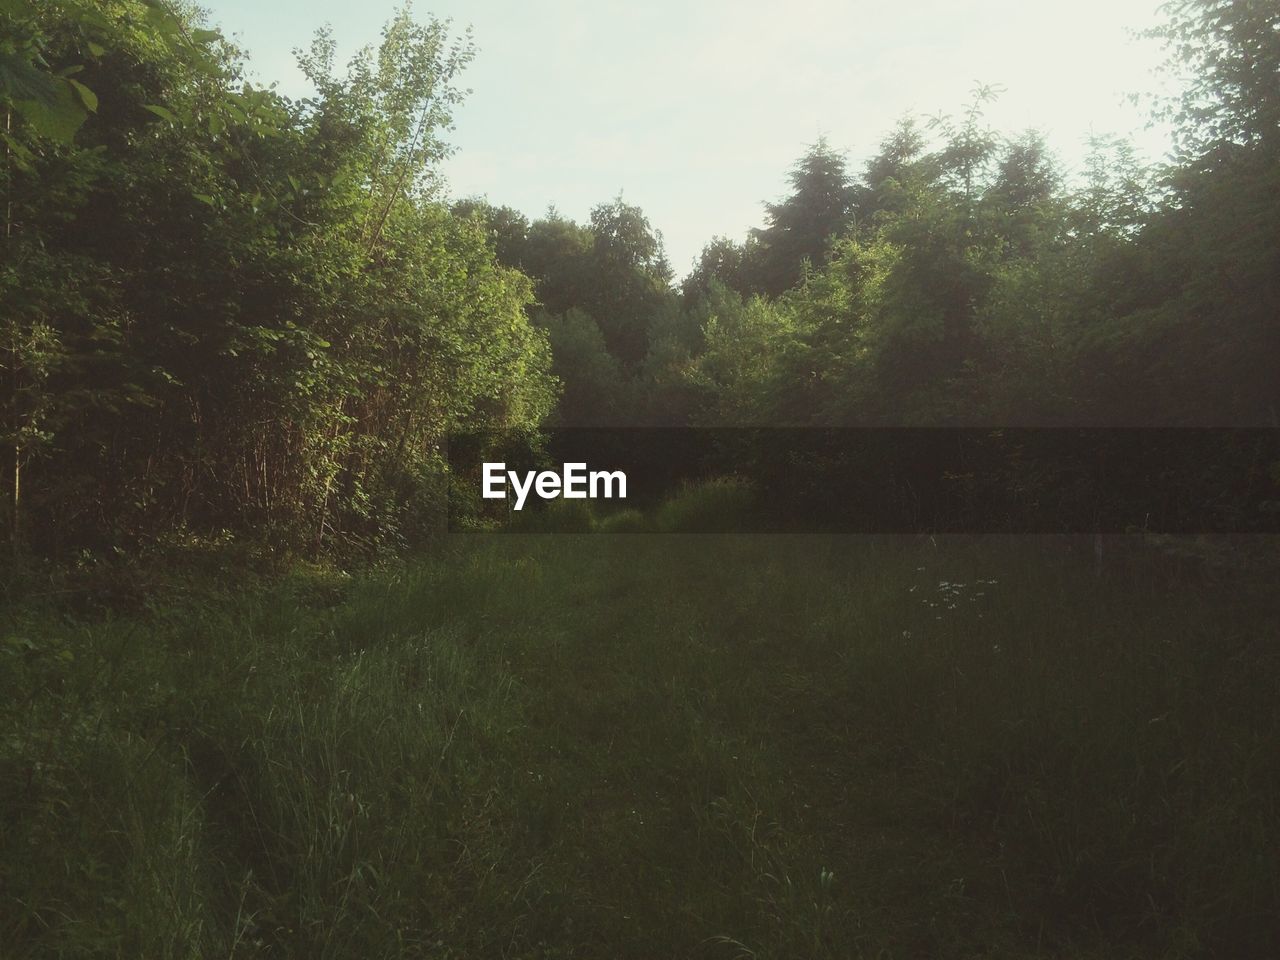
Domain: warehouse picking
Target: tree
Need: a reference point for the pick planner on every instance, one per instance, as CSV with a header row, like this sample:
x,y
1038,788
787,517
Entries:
x,y
556,254
506,228
629,278
892,174
724,261
735,373
799,228
1021,198
594,391
1227,53
1206,349
229,310
60,62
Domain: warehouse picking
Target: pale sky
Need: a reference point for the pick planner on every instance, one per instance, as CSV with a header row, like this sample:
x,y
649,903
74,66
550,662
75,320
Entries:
x,y
696,109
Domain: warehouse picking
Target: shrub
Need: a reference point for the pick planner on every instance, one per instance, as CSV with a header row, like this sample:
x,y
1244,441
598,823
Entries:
x,y
709,506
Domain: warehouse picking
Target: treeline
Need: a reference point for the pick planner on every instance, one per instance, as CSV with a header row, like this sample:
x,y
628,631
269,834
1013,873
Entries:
x,y
958,278
229,310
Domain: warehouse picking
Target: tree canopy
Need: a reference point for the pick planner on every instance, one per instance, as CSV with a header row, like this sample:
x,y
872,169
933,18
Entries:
x,y
226,309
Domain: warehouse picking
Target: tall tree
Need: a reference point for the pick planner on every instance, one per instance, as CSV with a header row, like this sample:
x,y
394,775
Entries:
x,y
799,229
630,278
1019,198
724,261
228,310
892,174
1227,53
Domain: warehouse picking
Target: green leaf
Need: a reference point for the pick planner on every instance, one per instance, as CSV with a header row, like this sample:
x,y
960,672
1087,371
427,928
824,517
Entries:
x,y
206,36
96,49
204,198
87,96
22,80
164,113
59,120
162,19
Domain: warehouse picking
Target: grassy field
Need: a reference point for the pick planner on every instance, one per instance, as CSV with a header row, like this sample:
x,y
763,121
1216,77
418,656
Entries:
x,y
654,746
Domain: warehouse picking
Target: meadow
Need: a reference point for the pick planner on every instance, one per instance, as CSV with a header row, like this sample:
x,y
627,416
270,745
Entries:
x,y
654,745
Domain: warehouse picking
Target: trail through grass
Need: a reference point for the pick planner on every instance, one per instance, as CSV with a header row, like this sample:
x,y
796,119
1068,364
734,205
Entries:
x,y
655,746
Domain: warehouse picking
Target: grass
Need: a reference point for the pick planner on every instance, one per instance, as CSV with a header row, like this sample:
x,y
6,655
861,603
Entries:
x,y
654,746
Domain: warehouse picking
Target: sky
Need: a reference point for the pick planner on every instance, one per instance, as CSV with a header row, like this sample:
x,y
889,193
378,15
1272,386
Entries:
x,y
696,109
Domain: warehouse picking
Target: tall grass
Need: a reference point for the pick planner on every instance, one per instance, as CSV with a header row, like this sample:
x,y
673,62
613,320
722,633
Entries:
x,y
583,746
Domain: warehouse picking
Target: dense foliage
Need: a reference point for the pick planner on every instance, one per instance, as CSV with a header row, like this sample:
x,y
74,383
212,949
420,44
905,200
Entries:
x,y
228,310
960,277
225,309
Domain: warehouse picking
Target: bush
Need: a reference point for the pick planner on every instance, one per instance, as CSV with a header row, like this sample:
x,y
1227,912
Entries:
x,y
711,506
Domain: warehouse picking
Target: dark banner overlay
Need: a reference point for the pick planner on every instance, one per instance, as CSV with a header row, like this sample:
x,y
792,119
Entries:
x,y
889,480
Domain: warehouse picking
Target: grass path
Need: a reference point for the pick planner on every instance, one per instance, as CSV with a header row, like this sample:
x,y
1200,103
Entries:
x,y
655,746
